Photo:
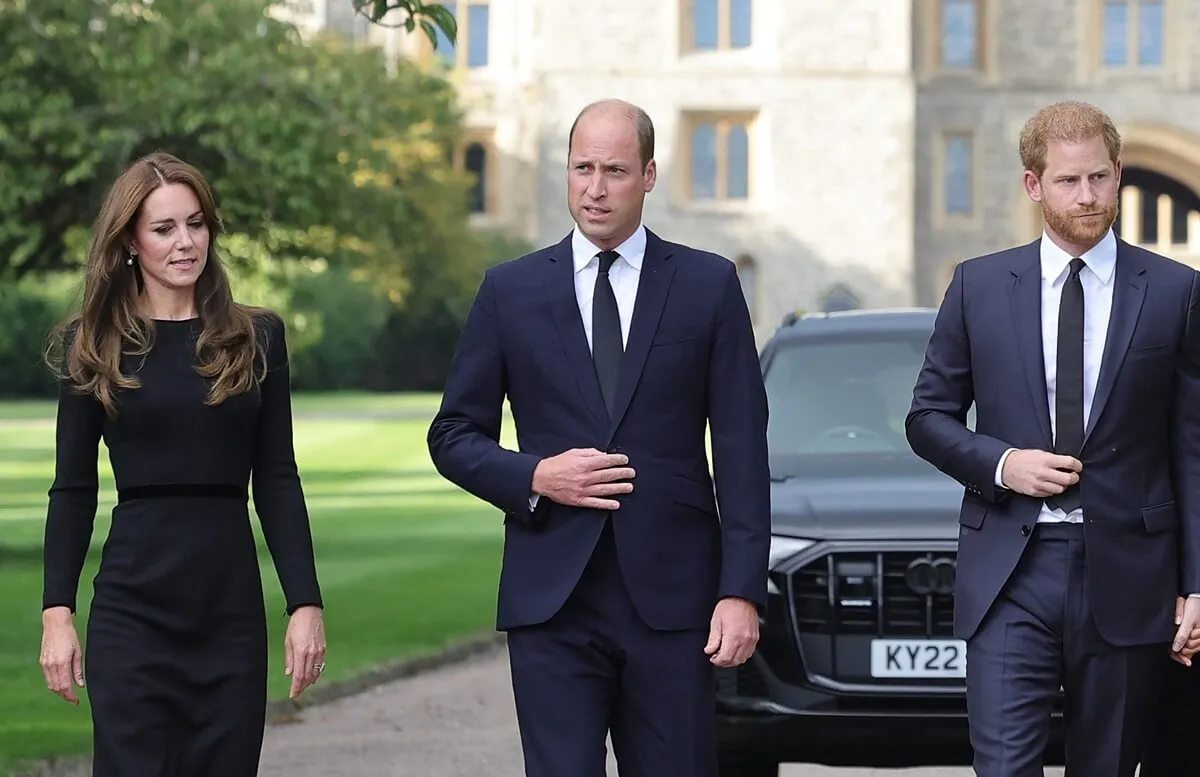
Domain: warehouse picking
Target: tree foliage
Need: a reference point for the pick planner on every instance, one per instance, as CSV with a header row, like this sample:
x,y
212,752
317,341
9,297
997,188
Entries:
x,y
313,149
411,14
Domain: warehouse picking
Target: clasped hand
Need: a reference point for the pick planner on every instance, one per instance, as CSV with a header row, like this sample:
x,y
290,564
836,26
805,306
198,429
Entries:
x,y
1187,635
1039,473
584,477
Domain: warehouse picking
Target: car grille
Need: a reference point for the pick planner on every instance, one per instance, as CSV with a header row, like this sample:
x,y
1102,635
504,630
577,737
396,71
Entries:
x,y
867,593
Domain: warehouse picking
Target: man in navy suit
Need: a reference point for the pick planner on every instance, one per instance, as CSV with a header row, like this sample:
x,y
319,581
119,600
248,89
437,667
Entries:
x,y
1079,543
624,579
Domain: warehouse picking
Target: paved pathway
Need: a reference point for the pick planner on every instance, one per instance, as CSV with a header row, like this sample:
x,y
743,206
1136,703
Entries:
x,y
455,721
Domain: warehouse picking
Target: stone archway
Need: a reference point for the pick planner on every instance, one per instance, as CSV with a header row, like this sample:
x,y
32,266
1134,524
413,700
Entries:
x,y
1167,150
1158,211
1156,152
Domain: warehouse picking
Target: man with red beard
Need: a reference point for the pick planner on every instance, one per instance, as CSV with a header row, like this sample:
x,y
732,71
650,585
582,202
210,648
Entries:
x,y
1079,538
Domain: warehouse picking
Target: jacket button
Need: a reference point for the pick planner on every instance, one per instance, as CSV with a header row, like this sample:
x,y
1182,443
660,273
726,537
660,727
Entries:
x,y
1026,531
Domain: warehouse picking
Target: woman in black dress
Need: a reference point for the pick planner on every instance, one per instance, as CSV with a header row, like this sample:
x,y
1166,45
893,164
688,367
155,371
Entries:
x,y
190,392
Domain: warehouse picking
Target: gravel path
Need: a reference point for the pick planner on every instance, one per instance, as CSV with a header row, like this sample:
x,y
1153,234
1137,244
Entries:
x,y
456,721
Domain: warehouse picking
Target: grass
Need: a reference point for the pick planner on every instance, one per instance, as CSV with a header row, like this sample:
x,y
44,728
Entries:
x,y
310,403
407,562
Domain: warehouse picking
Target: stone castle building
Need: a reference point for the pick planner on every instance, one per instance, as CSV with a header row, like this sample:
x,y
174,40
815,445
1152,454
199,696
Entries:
x,y
840,153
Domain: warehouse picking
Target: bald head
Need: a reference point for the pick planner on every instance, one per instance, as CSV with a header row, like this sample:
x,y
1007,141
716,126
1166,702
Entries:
x,y
610,170
637,117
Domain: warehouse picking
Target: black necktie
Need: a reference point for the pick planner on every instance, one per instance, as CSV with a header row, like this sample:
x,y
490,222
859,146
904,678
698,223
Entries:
x,y
607,343
1068,392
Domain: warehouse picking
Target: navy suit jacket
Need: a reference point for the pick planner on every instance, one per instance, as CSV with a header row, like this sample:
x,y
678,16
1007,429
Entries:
x,y
690,361
1141,456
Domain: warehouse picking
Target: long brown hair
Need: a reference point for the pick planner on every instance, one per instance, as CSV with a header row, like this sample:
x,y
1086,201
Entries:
x,y
110,323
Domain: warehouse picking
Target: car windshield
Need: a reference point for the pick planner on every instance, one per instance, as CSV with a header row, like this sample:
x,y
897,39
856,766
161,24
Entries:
x,y
837,403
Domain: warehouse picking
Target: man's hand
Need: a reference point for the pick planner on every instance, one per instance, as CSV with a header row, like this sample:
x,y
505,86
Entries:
x,y
1187,636
1040,474
583,477
733,632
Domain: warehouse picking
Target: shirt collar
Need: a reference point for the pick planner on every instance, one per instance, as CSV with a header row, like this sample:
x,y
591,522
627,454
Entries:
x,y
633,250
1101,259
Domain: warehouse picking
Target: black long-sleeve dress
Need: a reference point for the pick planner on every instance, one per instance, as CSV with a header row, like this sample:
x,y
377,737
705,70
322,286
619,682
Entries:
x,y
176,646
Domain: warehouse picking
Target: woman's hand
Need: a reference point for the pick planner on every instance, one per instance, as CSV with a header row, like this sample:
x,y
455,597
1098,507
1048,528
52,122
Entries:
x,y
62,658
304,648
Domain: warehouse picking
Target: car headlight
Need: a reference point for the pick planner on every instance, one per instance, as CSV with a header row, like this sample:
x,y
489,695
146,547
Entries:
x,y
783,548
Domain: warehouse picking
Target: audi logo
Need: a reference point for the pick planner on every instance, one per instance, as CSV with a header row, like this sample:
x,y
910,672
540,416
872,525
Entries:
x,y
931,576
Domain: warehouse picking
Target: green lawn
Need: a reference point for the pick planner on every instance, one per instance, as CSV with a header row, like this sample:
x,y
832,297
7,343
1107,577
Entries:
x,y
407,562
313,403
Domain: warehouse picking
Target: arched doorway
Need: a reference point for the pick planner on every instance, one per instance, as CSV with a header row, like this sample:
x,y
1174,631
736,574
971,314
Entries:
x,y
1160,212
1160,193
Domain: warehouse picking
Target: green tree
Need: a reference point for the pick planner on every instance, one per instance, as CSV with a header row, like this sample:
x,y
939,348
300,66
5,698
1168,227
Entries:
x,y
313,150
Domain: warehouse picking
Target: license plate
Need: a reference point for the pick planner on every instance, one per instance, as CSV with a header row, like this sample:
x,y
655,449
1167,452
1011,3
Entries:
x,y
918,658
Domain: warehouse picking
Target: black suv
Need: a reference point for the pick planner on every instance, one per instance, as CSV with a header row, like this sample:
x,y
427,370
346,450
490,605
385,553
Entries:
x,y
856,663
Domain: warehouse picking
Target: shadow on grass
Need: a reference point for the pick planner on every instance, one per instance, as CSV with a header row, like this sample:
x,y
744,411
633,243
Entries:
x,y
20,555
25,485
35,455
405,543
316,477
402,546
335,476
398,497
317,499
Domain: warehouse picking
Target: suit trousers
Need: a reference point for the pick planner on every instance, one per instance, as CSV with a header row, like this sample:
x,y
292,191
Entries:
x,y
1039,636
596,669
1172,749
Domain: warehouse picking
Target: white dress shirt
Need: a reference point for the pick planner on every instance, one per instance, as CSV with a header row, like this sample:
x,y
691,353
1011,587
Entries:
x,y
1097,281
623,276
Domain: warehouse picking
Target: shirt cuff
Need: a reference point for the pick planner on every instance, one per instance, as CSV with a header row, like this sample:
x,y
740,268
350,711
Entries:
x,y
533,500
999,477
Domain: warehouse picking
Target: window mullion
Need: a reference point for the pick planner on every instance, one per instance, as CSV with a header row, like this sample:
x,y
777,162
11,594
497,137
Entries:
x,y
722,160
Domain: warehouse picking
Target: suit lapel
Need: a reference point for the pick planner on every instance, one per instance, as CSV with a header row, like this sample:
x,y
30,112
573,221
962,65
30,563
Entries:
x,y
1025,294
560,290
653,284
1129,290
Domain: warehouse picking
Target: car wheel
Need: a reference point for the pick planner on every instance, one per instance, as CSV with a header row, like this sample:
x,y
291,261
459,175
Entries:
x,y
746,766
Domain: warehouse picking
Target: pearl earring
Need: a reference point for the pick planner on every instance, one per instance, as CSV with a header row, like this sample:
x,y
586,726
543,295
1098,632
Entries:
x,y
129,260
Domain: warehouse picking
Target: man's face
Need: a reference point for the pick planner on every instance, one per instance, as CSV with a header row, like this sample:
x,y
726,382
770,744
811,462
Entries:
x,y
606,183
1077,192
